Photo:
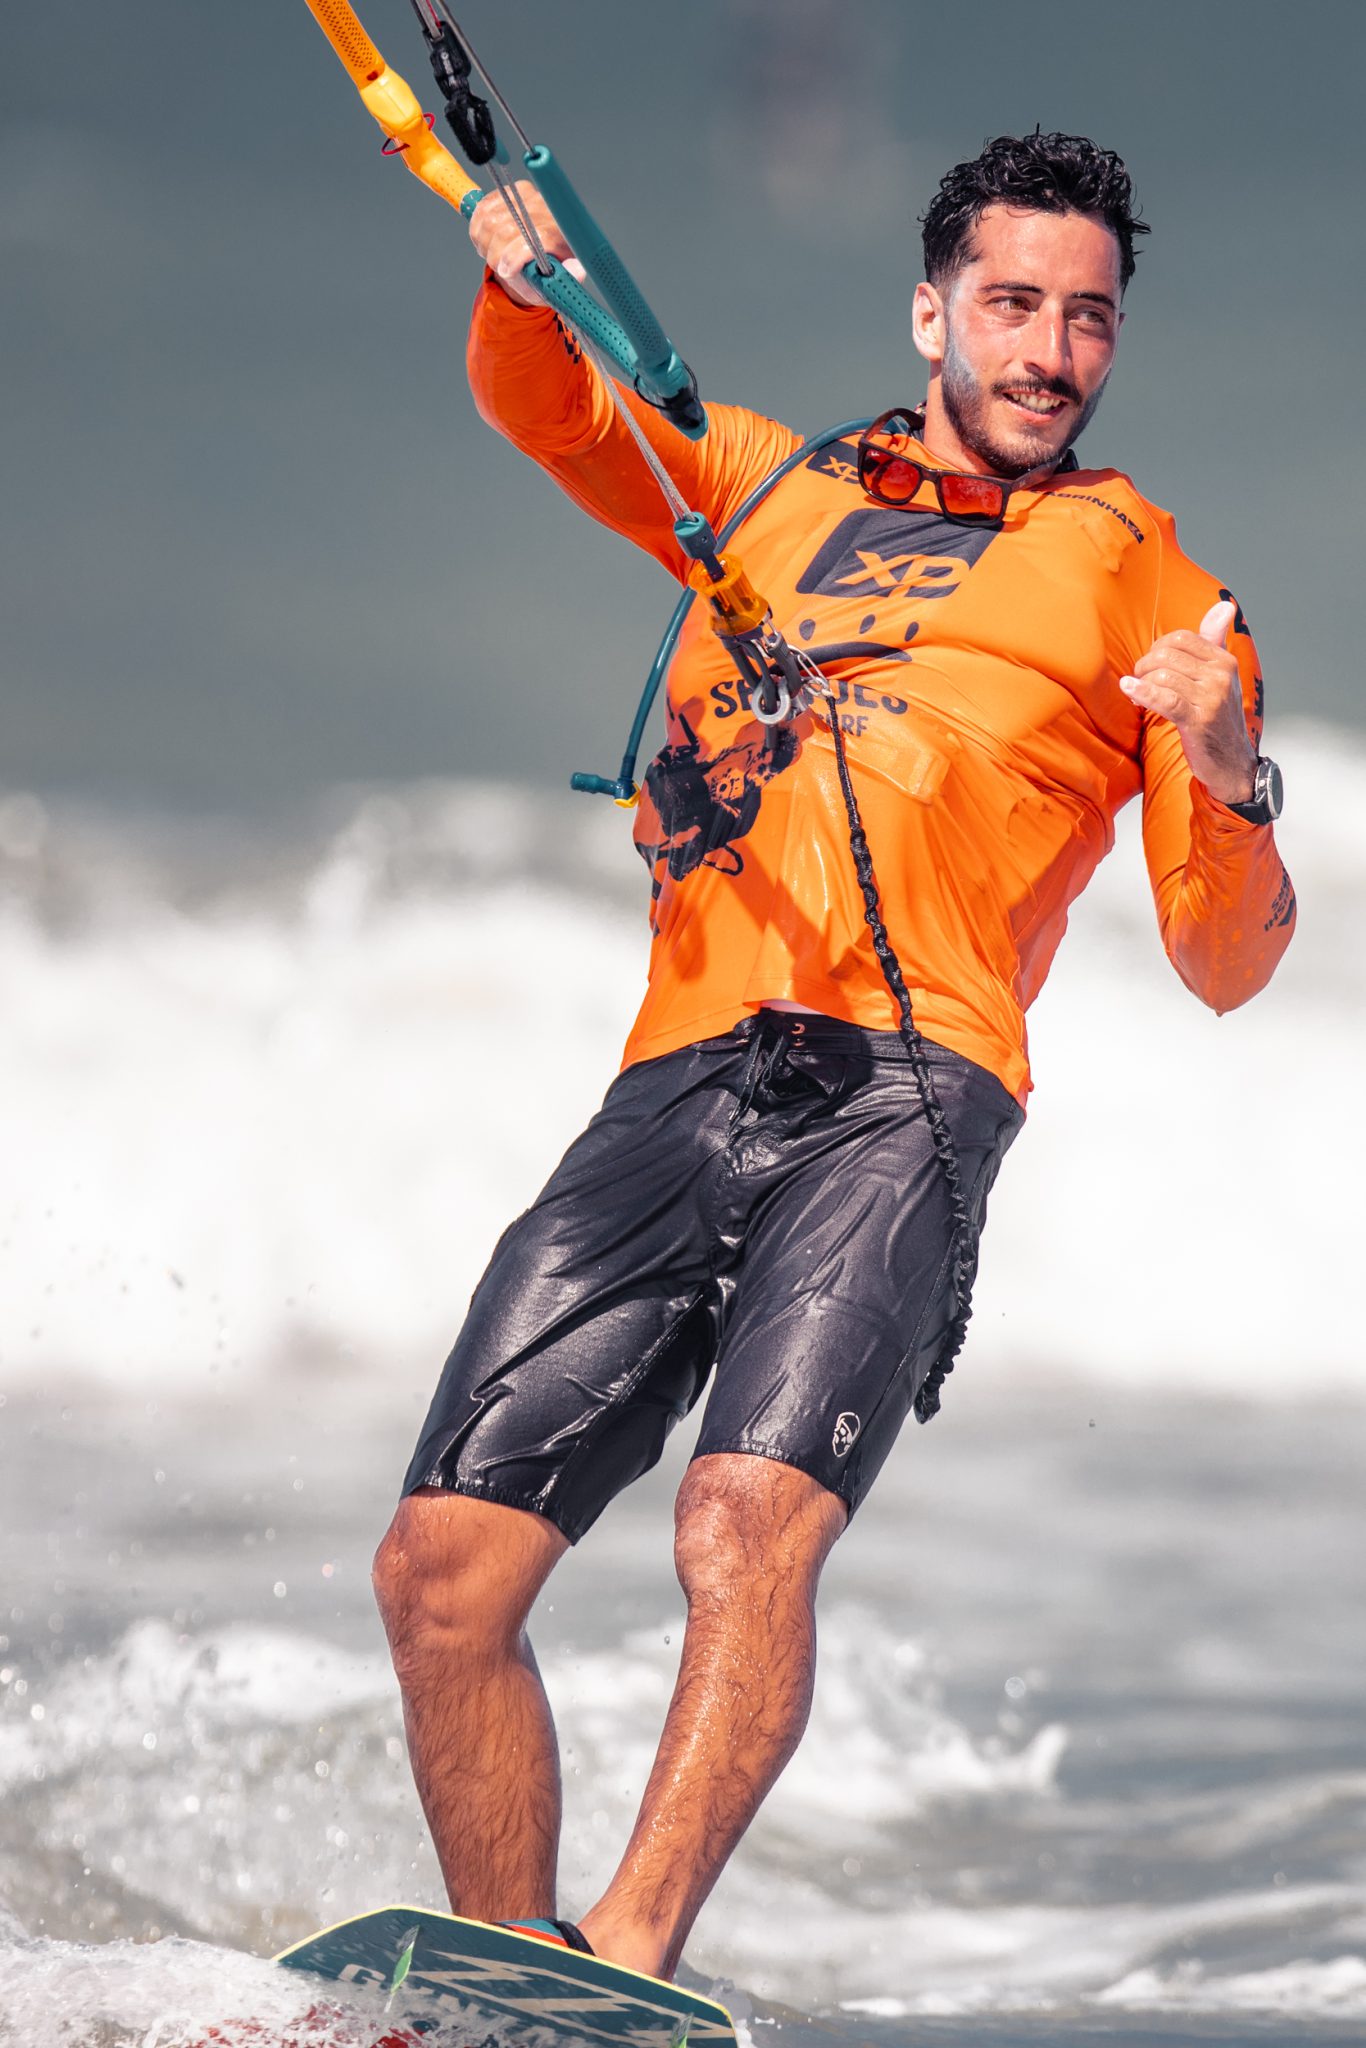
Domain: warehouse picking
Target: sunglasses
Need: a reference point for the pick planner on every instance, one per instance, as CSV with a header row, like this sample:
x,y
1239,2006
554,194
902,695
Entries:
x,y
891,475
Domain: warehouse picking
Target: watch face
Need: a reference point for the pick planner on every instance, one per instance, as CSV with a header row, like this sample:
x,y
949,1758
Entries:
x,y
1270,788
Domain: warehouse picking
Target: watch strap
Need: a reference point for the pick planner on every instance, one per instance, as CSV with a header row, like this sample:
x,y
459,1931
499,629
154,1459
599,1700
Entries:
x,y
1265,803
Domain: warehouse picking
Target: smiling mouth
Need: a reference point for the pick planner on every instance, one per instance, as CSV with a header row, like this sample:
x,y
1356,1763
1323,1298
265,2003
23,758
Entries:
x,y
1040,405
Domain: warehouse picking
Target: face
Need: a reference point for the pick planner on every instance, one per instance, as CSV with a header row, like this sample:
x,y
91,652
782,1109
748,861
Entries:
x,y
1021,341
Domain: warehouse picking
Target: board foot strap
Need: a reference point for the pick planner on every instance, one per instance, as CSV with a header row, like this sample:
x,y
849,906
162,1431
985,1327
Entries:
x,y
563,1933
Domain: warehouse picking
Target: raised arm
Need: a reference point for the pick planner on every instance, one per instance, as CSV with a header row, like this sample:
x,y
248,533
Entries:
x,y
1225,904
531,382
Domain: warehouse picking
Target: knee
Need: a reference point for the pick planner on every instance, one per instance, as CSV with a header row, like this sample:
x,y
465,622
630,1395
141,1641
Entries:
x,y
453,1572
745,1524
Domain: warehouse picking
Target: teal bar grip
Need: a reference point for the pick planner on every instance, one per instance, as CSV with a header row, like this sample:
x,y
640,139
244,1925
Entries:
x,y
634,341
660,373
678,399
569,297
651,344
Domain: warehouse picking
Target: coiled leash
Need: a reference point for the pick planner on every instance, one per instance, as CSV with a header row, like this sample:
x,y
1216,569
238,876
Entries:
x,y
619,332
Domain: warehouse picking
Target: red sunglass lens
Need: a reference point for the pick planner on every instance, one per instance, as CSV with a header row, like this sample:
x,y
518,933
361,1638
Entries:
x,y
972,497
892,478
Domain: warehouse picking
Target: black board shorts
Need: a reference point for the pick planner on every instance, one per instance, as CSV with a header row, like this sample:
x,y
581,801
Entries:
x,y
767,1204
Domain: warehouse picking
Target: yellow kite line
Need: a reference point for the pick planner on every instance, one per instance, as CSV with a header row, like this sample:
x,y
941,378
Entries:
x,y
392,101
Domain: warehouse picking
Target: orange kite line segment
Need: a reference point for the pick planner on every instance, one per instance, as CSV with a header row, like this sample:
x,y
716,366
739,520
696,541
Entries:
x,y
393,103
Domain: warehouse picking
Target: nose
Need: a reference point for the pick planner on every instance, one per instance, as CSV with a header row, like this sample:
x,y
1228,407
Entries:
x,y
1048,344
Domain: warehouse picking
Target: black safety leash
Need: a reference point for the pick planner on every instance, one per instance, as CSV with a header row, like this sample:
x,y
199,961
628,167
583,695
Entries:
x,y
964,1243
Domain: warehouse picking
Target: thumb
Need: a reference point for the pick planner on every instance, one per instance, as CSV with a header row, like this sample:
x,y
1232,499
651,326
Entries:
x,y
1216,622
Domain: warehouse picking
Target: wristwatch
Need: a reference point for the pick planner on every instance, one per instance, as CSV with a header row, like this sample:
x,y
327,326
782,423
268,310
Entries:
x,y
1268,795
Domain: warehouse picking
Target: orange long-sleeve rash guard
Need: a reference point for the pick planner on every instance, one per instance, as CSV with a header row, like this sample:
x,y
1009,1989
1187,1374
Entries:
x,y
976,672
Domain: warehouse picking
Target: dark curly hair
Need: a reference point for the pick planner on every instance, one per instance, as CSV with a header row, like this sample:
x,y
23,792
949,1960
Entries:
x,y
1044,173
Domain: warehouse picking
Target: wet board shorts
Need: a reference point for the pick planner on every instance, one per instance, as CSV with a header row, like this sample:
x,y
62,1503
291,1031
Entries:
x,y
767,1204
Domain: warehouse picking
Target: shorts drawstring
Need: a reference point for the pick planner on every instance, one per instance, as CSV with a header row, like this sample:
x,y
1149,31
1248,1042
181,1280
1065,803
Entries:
x,y
766,1049
782,1067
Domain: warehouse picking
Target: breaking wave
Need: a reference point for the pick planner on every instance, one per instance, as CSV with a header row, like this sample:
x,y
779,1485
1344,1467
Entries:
x,y
273,1094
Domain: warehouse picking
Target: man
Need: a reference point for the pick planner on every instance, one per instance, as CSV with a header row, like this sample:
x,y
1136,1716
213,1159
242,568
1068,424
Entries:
x,y
759,1193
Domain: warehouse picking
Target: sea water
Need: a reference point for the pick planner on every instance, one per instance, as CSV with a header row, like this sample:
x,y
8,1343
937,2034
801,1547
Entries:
x,y
1088,1758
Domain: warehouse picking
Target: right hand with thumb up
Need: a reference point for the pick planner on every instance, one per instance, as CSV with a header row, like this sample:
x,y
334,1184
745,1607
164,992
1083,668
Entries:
x,y
1192,679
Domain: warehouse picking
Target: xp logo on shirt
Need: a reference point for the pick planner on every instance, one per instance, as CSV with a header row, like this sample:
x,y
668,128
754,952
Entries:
x,y
881,557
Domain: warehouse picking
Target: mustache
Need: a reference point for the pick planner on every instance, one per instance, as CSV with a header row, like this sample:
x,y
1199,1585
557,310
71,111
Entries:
x,y
1049,387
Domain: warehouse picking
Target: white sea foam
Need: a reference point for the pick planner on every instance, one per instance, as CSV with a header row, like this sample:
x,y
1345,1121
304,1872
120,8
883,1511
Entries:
x,y
185,1693
282,1105
185,1994
243,1785
201,1772
1334,1988
880,1752
166,1994
1036,1959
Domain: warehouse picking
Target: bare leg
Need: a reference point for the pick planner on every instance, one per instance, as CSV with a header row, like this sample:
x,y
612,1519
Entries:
x,y
752,1537
455,1579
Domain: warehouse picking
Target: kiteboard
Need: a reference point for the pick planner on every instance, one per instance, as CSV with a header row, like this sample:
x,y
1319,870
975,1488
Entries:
x,y
440,1975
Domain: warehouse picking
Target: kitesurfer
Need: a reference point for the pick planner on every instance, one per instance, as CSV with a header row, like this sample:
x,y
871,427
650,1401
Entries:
x,y
1015,647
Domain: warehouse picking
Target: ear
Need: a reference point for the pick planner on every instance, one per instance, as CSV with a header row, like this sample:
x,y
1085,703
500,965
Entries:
x,y
928,328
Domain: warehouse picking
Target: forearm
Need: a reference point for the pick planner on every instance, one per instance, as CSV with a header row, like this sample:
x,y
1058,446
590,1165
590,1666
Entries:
x,y
532,384
1227,916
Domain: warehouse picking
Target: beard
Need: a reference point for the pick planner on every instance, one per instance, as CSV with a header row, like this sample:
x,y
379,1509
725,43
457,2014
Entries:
x,y
968,402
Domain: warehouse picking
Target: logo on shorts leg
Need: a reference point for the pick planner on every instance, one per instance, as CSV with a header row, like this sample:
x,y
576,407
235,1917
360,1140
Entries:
x,y
847,1427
